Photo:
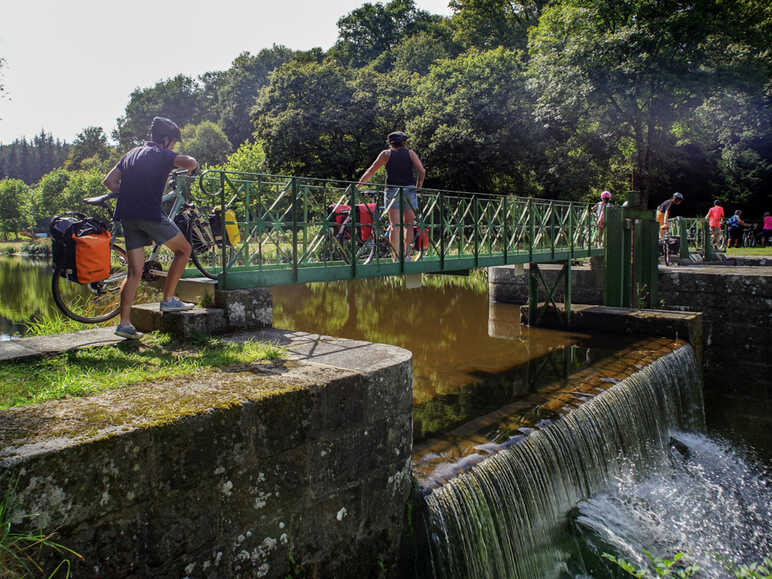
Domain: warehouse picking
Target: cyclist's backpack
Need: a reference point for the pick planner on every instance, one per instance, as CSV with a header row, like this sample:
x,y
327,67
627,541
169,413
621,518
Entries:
x,y
232,234
733,221
81,248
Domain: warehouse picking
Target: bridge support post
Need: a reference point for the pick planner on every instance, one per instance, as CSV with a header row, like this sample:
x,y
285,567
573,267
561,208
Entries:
x,y
535,279
631,257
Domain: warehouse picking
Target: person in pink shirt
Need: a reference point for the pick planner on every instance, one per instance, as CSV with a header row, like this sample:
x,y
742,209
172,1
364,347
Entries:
x,y
715,219
766,229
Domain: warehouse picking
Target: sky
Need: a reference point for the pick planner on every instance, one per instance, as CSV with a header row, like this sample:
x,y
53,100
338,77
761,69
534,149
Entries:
x,y
70,64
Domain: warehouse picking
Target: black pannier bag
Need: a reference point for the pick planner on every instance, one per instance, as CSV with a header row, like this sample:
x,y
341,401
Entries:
x,y
81,247
195,229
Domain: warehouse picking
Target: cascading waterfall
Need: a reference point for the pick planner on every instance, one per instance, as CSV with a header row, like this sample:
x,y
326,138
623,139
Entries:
x,y
503,517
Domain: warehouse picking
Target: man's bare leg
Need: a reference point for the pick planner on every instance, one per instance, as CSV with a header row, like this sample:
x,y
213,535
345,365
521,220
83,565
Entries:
x,y
181,248
136,259
409,218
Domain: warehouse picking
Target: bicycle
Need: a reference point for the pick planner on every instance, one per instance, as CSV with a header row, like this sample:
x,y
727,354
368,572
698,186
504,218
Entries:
x,y
368,246
668,246
100,301
749,236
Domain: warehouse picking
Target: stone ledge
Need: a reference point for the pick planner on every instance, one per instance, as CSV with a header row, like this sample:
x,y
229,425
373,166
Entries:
x,y
610,320
227,472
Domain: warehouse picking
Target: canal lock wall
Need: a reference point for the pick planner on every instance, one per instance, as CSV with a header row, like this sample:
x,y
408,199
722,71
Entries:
x,y
298,468
736,304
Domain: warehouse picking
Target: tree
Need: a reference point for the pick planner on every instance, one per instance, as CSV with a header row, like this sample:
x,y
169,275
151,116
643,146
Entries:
x,y
90,142
240,86
206,142
15,206
49,193
368,31
313,121
471,122
248,158
488,24
178,98
628,70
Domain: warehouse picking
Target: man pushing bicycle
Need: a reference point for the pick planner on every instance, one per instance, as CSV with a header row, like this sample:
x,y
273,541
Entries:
x,y
139,179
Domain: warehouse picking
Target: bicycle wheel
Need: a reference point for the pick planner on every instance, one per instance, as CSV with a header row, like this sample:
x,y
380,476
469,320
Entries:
x,y
364,253
94,302
208,260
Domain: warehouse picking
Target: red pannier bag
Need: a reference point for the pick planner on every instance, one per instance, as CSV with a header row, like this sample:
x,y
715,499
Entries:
x,y
341,213
366,214
420,238
92,256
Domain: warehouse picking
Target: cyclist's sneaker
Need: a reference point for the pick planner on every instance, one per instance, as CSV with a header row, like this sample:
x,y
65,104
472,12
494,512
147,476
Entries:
x,y
127,331
175,305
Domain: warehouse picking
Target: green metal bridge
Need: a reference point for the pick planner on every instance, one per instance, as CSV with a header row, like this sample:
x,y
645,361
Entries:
x,y
297,230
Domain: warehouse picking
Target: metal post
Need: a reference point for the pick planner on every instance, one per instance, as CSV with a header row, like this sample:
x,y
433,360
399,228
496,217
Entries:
x,y
294,230
223,237
531,230
567,292
354,216
476,229
533,293
401,232
441,202
627,255
506,232
614,256
684,237
707,241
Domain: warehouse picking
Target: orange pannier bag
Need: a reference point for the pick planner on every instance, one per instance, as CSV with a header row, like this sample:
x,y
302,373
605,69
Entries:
x,y
92,256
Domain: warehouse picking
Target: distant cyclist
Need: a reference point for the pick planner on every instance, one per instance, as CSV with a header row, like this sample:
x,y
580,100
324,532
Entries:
x,y
600,213
139,179
734,226
400,163
715,219
665,209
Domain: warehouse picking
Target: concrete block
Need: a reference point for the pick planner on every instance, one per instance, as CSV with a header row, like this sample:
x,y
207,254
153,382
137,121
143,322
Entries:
x,y
198,321
246,308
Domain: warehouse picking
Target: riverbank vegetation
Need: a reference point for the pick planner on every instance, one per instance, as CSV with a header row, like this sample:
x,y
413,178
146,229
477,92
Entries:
x,y
555,99
93,370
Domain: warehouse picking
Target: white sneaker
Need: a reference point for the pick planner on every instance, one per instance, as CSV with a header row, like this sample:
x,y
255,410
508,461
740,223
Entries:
x,y
175,305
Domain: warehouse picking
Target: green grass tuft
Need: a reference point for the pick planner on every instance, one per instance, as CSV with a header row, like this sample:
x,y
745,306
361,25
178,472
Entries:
x,y
93,370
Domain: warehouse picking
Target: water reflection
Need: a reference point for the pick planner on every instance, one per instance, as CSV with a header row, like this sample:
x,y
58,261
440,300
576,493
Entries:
x,y
25,292
446,328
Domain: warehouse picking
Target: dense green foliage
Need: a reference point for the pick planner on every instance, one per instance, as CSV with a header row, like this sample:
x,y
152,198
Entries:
x,y
557,99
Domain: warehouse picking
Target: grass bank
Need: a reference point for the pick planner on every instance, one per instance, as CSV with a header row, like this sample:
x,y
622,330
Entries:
x,y
94,370
750,251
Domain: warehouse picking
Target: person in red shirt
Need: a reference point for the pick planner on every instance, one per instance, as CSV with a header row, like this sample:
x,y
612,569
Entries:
x,y
715,219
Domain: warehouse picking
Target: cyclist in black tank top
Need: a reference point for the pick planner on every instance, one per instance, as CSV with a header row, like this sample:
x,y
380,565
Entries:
x,y
401,185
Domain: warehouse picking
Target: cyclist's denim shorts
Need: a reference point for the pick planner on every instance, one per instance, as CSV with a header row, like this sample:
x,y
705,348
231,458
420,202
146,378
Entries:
x,y
409,192
142,232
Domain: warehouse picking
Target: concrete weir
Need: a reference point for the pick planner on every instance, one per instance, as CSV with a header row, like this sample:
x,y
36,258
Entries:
x,y
293,467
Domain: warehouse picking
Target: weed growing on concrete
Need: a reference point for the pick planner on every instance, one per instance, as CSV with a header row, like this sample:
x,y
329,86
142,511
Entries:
x,y
20,552
92,370
47,323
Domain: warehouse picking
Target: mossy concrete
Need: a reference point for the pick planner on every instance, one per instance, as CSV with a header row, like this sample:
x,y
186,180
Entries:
x,y
258,471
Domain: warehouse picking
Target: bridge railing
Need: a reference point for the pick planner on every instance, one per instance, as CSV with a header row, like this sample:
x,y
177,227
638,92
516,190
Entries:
x,y
694,234
298,229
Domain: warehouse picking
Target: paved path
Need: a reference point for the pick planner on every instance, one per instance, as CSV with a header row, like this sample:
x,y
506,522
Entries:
x,y
57,343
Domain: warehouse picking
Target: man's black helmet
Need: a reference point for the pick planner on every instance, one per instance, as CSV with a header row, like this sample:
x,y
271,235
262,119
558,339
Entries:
x,y
678,196
396,138
162,127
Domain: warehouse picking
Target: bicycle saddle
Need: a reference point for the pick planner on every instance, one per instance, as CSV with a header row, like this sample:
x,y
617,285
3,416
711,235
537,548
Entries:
x,y
99,199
